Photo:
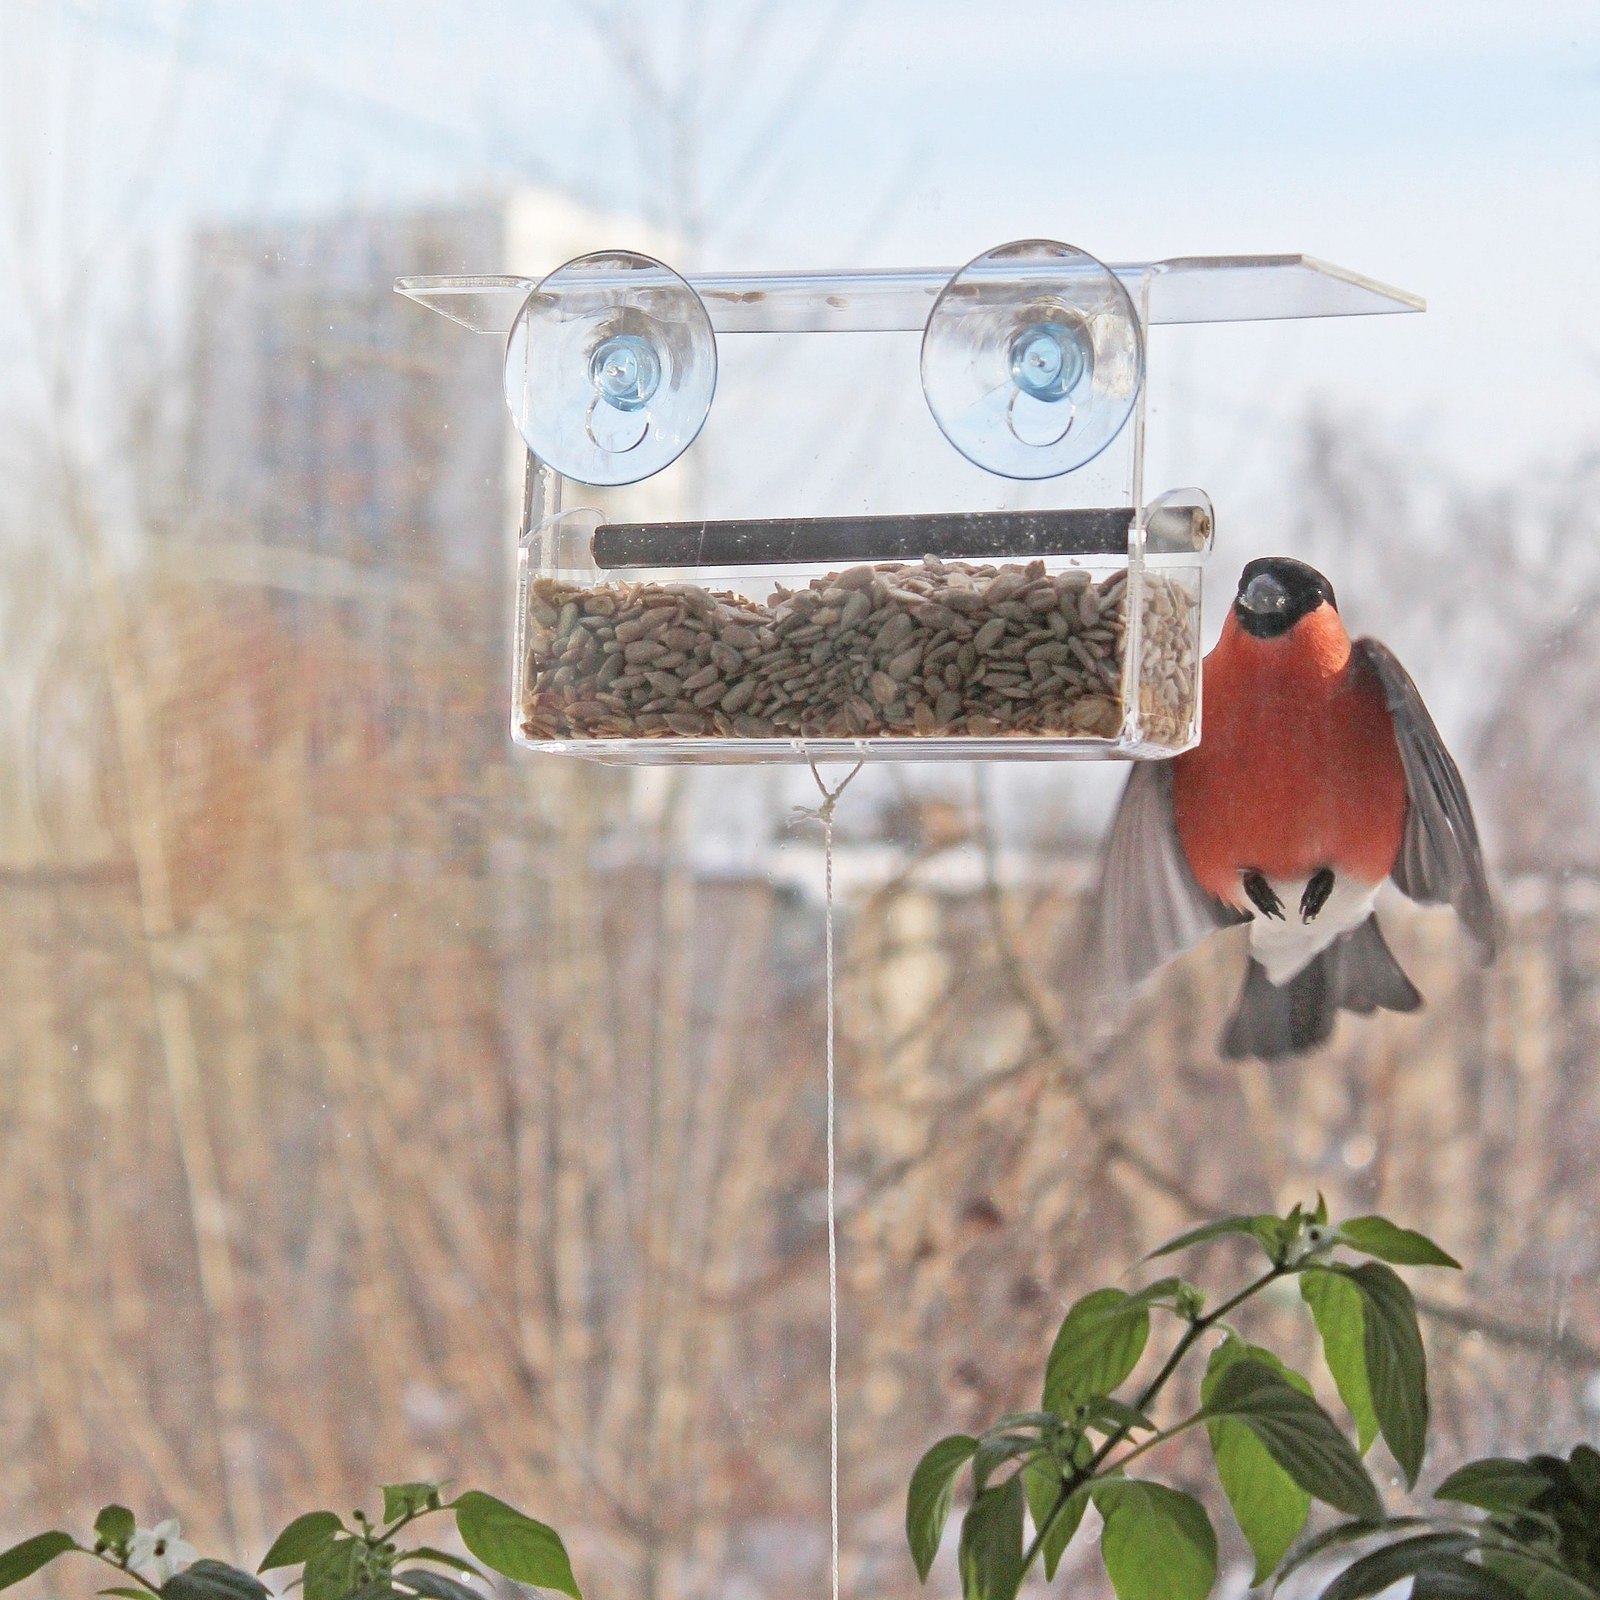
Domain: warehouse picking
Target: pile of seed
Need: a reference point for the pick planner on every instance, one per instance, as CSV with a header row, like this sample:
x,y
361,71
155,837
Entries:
x,y
935,649
1167,658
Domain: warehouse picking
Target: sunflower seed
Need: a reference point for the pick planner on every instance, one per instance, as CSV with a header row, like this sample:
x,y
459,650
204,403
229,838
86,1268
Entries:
x,y
935,648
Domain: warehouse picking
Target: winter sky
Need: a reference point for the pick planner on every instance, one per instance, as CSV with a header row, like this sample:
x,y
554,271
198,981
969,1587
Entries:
x,y
1449,147
1445,146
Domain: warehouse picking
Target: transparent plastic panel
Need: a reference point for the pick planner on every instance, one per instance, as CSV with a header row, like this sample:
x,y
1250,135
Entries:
x,y
1169,656
923,659
1183,290
831,578
1178,530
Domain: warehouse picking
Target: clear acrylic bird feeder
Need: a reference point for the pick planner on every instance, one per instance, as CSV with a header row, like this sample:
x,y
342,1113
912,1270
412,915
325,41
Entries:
x,y
924,537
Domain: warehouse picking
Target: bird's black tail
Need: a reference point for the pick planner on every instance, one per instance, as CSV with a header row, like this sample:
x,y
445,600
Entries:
x,y
1357,972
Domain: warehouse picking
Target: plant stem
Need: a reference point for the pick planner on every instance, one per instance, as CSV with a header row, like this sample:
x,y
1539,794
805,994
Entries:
x,y
1160,1438
117,1566
1196,1328
1043,1532
1081,1475
384,1535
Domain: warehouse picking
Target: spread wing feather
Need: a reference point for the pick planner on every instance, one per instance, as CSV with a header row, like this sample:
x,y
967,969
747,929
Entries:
x,y
1441,860
1149,908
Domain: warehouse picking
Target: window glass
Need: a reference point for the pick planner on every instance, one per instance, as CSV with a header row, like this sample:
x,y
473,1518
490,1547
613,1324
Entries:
x,y
381,1102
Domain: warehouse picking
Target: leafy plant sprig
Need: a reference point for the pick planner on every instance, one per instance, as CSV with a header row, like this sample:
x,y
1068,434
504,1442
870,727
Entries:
x,y
1540,1539
157,1560
338,1562
1275,1448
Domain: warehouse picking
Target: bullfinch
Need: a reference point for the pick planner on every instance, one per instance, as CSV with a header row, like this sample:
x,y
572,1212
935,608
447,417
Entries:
x,y
1319,774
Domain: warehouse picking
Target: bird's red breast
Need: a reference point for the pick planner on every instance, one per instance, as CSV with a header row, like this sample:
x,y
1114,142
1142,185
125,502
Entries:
x,y
1297,768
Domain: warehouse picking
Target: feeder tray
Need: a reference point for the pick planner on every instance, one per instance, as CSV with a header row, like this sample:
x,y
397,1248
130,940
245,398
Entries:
x,y
1016,596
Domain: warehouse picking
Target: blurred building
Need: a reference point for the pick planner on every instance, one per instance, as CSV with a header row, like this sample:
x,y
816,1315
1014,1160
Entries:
x,y
337,419
351,496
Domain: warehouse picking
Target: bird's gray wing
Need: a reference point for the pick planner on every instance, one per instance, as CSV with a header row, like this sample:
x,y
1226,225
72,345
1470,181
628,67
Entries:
x,y
1441,860
1149,907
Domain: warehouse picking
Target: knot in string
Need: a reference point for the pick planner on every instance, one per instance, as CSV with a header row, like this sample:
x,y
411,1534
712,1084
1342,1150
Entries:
x,y
830,798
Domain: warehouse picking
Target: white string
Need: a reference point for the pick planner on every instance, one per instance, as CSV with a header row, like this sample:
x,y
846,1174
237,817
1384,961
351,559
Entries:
x,y
824,814
833,1232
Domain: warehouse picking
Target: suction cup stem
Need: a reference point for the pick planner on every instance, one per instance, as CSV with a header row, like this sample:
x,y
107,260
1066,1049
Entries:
x,y
610,368
1032,359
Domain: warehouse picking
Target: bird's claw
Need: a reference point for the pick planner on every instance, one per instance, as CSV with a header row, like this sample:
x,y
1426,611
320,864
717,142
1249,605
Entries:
x,y
1318,888
1263,896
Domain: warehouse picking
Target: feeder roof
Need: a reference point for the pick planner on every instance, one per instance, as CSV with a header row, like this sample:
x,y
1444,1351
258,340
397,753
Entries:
x,y
1183,289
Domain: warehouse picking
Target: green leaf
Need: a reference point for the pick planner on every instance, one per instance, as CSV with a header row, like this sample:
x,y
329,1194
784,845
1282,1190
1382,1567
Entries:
x,y
332,1568
1397,1367
114,1525
425,1552
1270,1507
1584,1465
1336,1309
1042,1481
408,1499
1377,1236
1536,1576
213,1580
1099,1343
1451,1578
1162,1291
434,1585
991,1543
1022,1419
1158,1543
515,1546
1110,1415
994,1452
1497,1483
1392,1562
301,1540
1252,1226
1336,1537
933,1487
1275,1234
1298,1434
1232,1350
23,1560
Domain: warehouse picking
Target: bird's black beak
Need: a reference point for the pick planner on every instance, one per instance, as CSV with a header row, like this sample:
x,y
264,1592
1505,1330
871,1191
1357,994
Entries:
x,y
1264,596
1275,592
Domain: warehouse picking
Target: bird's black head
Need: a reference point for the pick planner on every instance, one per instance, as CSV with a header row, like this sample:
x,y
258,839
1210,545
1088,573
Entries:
x,y
1275,592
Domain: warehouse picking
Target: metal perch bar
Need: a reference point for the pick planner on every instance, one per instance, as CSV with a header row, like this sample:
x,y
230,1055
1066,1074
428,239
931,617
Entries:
x,y
989,535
